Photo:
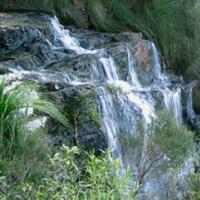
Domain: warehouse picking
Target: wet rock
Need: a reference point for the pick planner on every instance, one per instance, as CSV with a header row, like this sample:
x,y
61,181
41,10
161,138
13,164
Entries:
x,y
25,47
14,38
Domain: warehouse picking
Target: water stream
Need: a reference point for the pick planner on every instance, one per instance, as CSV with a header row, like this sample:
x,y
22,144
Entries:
x,y
123,101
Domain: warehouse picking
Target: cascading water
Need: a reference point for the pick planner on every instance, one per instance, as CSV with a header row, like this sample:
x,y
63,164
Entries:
x,y
62,39
172,97
123,101
132,74
172,101
190,111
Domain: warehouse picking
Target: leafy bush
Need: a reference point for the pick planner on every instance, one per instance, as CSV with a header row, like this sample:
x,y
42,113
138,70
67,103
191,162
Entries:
x,y
23,151
26,172
74,174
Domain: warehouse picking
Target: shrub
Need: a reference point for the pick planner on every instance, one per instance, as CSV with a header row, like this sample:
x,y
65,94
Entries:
x,y
193,192
164,145
74,174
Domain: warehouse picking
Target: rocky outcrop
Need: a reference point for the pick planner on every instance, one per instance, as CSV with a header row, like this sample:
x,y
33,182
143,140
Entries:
x,y
18,43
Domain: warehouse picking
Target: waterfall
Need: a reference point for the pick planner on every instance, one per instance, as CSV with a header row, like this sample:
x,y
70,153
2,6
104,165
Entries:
x,y
190,111
110,122
110,68
172,97
132,74
172,100
124,101
63,36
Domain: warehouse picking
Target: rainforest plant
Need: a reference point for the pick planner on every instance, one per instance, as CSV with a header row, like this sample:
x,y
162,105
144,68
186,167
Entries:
x,y
74,174
15,106
193,192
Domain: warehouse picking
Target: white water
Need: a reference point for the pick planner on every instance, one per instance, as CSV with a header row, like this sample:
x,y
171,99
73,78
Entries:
x,y
172,100
190,111
172,97
110,125
62,35
123,102
132,74
110,69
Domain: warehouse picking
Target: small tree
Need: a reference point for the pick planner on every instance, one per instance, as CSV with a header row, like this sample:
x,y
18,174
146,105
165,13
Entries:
x,y
81,108
164,145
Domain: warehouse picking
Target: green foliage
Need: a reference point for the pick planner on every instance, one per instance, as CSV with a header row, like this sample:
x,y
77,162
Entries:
x,y
193,192
81,108
14,106
23,151
112,15
29,162
174,140
82,105
164,145
174,26
69,178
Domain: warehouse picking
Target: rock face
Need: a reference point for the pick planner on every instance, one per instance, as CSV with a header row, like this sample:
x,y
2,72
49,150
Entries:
x,y
26,42
192,77
27,48
123,69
